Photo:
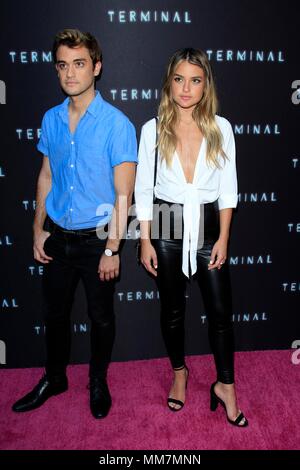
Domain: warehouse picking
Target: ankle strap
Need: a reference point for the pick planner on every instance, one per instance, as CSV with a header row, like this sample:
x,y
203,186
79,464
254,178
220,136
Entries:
x,y
180,368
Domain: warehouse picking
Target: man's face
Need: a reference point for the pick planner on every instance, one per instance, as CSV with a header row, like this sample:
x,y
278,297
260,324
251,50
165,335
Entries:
x,y
75,69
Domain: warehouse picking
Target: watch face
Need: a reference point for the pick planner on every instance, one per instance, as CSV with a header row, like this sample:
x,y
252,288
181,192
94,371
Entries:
x,y
108,252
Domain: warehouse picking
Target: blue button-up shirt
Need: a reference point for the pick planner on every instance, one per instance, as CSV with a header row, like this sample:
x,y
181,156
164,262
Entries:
x,y
82,193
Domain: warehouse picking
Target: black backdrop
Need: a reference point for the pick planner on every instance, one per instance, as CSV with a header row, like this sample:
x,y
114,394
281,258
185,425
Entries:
x,y
254,52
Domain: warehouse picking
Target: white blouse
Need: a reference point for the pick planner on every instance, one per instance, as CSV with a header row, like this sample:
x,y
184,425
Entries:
x,y
209,184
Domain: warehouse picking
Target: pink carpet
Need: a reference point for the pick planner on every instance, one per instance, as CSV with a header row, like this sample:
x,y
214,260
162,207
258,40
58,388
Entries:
x,y
267,385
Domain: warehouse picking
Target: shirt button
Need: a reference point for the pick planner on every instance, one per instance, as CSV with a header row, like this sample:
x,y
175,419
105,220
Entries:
x,y
71,210
72,142
72,166
71,187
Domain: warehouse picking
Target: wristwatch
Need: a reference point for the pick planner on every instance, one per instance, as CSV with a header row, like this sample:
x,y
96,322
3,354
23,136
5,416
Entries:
x,y
109,252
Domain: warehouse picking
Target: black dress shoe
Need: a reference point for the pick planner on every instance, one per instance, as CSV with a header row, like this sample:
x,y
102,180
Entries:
x,y
100,399
45,389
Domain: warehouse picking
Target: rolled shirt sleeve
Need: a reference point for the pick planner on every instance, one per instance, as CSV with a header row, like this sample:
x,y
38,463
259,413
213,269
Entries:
x,y
145,172
228,196
43,145
123,146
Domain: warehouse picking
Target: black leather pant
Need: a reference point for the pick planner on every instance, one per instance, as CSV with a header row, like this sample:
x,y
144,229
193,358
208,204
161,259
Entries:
x,y
216,293
75,257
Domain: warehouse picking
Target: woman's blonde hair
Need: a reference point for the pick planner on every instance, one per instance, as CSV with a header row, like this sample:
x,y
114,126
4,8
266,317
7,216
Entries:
x,y
203,114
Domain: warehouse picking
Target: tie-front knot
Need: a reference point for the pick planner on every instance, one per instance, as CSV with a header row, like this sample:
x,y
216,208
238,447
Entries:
x,y
191,219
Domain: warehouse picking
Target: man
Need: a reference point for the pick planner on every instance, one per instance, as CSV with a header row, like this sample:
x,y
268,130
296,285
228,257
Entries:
x,y
86,182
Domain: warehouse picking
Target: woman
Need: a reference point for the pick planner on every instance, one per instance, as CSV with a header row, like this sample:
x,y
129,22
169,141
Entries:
x,y
195,188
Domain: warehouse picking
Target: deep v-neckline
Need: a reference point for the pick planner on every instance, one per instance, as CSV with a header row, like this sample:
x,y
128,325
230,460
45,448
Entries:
x,y
196,164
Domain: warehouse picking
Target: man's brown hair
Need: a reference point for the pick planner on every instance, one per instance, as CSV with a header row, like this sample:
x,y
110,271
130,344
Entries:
x,y
76,38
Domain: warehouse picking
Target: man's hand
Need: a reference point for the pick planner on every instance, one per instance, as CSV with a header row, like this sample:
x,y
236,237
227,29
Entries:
x,y
109,267
38,247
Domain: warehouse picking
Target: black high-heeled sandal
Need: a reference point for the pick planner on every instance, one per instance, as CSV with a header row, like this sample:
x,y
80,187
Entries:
x,y
215,400
174,400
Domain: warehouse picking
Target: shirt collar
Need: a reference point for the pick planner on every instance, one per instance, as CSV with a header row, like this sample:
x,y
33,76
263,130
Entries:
x,y
96,104
93,108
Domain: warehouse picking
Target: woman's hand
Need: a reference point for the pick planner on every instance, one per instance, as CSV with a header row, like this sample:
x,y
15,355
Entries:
x,y
219,254
148,257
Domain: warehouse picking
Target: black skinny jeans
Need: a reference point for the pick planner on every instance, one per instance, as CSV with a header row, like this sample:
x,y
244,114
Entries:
x,y
215,289
75,257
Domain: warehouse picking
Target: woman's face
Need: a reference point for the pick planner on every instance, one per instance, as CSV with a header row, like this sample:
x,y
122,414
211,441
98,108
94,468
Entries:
x,y
187,86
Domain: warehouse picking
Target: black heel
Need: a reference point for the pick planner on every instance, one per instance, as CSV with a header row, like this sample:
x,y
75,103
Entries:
x,y
174,400
215,400
187,376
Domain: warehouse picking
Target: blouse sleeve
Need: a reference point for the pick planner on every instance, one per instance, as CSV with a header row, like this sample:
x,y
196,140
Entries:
x,y
145,174
228,196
